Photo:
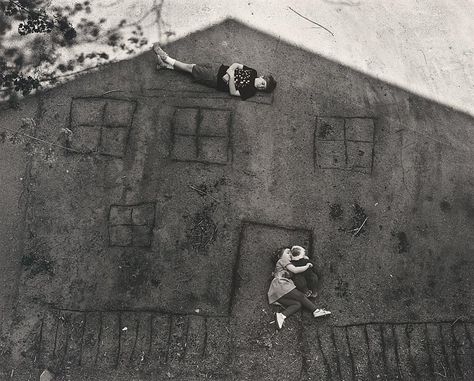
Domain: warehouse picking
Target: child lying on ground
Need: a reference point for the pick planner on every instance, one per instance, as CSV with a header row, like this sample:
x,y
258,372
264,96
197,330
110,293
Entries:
x,y
237,79
307,280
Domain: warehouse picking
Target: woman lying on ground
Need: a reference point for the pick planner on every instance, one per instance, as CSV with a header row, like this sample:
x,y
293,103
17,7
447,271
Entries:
x,y
283,291
237,79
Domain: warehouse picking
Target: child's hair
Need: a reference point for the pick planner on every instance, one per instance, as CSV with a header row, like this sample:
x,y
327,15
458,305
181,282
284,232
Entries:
x,y
297,250
271,83
277,254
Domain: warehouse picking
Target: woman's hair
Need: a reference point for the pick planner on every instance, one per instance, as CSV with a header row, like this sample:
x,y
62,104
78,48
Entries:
x,y
276,255
271,83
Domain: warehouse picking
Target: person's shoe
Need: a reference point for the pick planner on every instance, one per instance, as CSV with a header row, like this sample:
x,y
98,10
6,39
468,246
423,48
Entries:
x,y
320,312
314,295
280,318
162,64
160,52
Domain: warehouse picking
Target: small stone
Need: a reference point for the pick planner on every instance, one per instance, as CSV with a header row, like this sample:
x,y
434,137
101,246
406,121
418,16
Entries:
x,y
46,375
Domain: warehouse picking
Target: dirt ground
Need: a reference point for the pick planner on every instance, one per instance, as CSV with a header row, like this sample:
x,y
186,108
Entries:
x,y
143,250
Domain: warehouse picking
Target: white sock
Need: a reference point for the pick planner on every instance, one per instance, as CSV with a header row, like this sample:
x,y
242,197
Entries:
x,y
170,60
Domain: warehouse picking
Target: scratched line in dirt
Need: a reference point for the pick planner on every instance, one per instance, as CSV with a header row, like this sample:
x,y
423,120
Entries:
x,y
150,340
138,340
390,351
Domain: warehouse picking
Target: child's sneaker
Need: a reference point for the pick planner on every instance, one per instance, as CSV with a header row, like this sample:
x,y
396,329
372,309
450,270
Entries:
x,y
320,312
160,52
162,64
280,318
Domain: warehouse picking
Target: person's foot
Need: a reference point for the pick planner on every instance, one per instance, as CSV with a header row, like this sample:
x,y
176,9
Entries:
x,y
280,318
320,312
162,64
160,52
313,295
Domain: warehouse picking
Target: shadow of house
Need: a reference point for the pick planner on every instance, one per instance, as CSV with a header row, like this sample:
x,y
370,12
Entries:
x,y
173,198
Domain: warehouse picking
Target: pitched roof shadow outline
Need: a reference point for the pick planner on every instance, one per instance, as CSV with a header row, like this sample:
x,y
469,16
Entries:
x,y
343,72
232,20
241,23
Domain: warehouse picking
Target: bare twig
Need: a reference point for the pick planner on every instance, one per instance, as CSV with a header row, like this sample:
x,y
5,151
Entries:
x,y
201,192
213,236
311,21
197,190
361,226
455,321
110,91
442,375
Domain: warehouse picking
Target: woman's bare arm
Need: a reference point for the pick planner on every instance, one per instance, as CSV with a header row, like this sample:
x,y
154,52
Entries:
x,y
298,269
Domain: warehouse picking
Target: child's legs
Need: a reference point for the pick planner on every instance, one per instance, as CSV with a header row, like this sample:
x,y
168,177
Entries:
x,y
300,297
182,66
311,279
291,305
300,281
206,74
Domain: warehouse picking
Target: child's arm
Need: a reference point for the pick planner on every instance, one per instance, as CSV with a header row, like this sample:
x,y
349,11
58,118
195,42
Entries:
x,y
232,89
298,269
234,66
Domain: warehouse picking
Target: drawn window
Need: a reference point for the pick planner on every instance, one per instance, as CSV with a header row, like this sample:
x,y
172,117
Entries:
x,y
202,135
131,225
101,125
345,143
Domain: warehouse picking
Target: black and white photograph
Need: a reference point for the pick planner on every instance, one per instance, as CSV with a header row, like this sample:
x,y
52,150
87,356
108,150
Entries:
x,y
247,190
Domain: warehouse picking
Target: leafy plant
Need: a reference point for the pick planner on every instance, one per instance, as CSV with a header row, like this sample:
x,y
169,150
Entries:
x,y
41,45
